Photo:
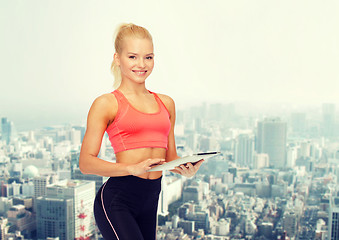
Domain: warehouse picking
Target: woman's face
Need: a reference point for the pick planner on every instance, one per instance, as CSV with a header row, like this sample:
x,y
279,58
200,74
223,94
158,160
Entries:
x,y
136,60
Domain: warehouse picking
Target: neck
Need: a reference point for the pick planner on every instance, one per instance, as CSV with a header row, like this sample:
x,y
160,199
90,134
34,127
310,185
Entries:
x,y
130,88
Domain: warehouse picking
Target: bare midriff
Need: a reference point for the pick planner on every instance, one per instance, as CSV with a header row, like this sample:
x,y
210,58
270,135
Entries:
x,y
134,156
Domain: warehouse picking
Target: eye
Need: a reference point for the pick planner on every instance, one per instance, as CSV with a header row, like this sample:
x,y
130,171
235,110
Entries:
x,y
131,57
149,57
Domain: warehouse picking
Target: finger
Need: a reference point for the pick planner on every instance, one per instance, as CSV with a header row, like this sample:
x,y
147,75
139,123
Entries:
x,y
197,166
184,169
175,171
155,161
190,166
179,169
155,164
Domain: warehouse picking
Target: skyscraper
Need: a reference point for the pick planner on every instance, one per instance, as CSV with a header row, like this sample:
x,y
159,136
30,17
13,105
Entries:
x,y
333,220
40,184
8,131
55,218
271,139
82,193
328,123
74,163
4,226
290,222
244,149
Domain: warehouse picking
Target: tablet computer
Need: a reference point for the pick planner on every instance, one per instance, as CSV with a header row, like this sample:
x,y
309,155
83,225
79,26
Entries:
x,y
191,158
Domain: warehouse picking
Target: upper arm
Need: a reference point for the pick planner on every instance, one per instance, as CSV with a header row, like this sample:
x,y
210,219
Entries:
x,y
100,115
170,105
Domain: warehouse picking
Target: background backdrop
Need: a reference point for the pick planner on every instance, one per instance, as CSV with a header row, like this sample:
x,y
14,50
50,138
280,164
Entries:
x,y
56,55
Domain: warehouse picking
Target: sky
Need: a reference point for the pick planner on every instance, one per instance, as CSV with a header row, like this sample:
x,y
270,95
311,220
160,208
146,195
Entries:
x,y
56,55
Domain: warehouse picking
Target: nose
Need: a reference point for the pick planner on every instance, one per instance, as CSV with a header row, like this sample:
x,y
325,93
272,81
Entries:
x,y
141,63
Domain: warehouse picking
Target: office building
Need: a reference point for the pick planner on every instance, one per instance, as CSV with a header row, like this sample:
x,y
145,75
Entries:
x,y
40,184
187,226
192,193
222,227
261,160
75,137
4,226
305,149
55,218
265,229
8,131
23,220
244,150
333,220
290,223
81,129
200,219
74,163
291,156
328,121
5,205
82,193
25,201
271,139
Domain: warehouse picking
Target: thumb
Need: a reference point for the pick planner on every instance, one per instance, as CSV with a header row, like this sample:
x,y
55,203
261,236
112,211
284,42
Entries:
x,y
156,160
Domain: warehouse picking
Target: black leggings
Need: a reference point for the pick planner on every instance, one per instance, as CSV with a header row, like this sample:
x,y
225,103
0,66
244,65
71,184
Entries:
x,y
125,208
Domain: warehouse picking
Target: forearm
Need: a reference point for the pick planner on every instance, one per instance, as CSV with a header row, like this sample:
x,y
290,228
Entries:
x,y
94,165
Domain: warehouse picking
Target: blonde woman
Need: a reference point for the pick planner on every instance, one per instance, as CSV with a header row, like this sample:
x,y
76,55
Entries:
x,y
140,126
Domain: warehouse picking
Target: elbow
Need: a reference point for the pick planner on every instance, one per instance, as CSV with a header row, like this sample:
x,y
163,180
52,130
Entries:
x,y
82,170
83,166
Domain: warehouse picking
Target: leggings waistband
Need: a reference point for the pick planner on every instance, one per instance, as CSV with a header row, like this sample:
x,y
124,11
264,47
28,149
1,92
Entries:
x,y
135,184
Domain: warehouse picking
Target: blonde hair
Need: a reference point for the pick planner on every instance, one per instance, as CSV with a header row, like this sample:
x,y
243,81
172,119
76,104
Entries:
x,y
123,31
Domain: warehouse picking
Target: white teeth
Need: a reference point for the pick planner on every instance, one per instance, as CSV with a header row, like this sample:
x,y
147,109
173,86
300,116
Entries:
x,y
140,72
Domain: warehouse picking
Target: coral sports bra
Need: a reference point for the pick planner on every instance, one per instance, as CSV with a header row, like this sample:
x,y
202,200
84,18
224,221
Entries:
x,y
134,129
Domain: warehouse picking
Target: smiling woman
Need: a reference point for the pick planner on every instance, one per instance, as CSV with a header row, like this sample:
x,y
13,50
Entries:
x,y
136,59
140,126
134,37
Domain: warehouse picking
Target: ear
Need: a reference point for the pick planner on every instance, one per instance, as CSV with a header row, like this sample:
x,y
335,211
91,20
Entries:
x,y
116,59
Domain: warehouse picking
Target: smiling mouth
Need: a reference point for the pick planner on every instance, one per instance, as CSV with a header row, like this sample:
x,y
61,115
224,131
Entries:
x,y
140,73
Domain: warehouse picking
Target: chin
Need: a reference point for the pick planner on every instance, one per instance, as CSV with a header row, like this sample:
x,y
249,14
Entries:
x,y
143,80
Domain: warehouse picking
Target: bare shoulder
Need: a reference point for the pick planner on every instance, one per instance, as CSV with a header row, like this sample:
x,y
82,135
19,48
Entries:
x,y
105,106
106,100
169,103
167,100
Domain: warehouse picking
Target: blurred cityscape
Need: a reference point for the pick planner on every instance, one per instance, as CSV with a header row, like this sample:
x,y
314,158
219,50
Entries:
x,y
277,178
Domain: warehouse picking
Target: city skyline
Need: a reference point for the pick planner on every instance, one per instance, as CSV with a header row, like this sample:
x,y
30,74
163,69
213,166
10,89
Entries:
x,y
79,118
244,192
54,65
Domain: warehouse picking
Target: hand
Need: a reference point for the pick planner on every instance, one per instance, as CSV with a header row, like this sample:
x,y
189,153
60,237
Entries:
x,y
188,170
144,166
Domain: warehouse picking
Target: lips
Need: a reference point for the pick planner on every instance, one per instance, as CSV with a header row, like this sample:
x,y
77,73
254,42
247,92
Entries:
x,y
140,73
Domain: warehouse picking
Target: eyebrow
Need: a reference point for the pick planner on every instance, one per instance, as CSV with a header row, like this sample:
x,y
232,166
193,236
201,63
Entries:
x,y
138,54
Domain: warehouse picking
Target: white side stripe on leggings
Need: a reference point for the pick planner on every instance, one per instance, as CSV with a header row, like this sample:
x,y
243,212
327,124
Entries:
x,y
103,206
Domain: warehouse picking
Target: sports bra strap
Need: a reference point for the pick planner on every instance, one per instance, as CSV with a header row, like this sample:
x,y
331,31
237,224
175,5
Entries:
x,y
118,95
163,104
